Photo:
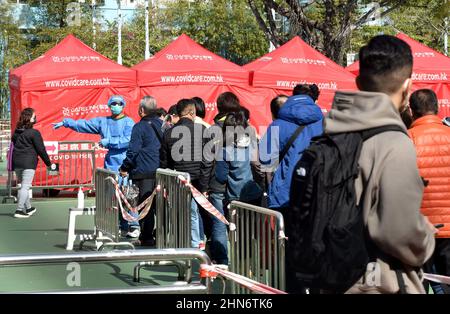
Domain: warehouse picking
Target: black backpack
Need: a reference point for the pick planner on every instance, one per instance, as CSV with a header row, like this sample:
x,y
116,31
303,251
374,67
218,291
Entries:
x,y
327,243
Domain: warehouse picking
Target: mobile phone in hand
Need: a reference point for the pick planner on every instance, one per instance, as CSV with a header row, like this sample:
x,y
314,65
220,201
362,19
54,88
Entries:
x,y
439,226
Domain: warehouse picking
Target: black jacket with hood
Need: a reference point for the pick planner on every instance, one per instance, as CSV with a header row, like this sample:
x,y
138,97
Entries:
x,y
28,144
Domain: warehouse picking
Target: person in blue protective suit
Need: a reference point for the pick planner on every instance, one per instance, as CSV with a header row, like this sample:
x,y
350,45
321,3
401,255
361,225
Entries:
x,y
115,133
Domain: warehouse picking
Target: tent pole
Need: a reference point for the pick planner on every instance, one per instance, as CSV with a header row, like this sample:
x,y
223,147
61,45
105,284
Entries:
x,y
446,36
94,30
147,31
119,32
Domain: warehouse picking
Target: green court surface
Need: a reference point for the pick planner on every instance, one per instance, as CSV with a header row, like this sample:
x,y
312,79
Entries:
x,y
46,232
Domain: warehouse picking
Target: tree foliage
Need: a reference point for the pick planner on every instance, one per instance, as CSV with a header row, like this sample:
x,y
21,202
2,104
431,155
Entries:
x,y
225,27
325,24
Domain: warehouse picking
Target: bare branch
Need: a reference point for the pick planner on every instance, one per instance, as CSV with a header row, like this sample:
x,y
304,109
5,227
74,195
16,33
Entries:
x,y
268,30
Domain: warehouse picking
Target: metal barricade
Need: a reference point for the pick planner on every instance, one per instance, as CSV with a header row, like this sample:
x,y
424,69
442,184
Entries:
x,y
186,255
257,249
173,210
107,232
5,137
76,161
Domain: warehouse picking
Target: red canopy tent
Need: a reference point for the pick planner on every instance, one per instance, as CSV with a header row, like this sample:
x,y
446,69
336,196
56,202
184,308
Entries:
x,y
185,69
430,70
298,63
71,80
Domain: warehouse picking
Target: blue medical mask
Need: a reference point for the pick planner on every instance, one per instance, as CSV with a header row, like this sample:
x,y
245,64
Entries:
x,y
116,109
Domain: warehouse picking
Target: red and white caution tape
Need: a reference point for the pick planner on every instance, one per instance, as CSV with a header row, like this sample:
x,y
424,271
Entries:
x,y
437,278
203,202
144,206
212,271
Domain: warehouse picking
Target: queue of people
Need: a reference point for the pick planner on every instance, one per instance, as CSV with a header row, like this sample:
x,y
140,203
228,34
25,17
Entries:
x,y
403,185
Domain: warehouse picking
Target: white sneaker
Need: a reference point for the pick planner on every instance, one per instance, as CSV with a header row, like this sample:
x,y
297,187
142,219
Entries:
x,y
21,214
134,233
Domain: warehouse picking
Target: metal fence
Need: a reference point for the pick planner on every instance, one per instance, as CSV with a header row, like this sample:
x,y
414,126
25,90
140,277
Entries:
x,y
173,210
186,255
107,232
257,249
76,160
5,137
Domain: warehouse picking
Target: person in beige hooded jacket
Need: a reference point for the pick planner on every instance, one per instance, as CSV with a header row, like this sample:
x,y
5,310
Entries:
x,y
389,186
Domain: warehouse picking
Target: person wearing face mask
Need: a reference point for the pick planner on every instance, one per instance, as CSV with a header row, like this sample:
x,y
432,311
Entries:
x,y
28,145
115,131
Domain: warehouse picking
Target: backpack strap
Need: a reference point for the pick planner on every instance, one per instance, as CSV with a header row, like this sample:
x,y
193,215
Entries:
x,y
290,142
366,134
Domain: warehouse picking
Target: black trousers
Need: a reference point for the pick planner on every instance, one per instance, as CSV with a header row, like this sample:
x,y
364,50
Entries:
x,y
146,187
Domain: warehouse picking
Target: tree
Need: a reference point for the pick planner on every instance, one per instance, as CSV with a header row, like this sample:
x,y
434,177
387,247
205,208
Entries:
x,y
226,27
325,24
13,51
419,19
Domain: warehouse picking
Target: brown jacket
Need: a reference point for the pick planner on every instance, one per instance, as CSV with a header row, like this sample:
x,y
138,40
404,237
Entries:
x,y
389,189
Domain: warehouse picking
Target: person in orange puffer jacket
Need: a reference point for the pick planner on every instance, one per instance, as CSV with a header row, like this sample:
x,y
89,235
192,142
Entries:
x,y
432,140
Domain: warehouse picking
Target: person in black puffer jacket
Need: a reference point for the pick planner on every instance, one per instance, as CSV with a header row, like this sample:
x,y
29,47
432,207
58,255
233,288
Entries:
x,y
28,145
182,150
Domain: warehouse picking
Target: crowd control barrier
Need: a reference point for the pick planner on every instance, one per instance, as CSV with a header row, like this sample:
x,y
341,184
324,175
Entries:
x,y
5,137
257,246
186,255
107,232
173,210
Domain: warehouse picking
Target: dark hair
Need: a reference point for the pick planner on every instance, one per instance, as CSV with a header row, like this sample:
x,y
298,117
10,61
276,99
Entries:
x,y
246,113
173,110
228,102
200,109
183,106
161,112
235,122
276,104
407,117
385,63
423,102
307,89
24,119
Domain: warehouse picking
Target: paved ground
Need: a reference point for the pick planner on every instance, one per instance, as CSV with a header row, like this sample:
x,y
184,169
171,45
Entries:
x,y
45,232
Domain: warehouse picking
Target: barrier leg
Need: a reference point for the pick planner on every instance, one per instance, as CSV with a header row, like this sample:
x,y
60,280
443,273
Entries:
x,y
71,236
180,268
9,186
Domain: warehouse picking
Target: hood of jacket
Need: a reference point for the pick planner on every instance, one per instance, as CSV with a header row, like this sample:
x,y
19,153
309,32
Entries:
x,y
357,111
17,133
300,109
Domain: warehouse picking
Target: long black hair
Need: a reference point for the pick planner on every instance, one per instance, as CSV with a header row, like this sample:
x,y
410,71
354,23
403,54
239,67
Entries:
x,y
234,126
25,119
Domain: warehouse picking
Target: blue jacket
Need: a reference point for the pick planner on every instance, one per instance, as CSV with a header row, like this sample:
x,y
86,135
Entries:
x,y
298,110
143,153
115,134
235,171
